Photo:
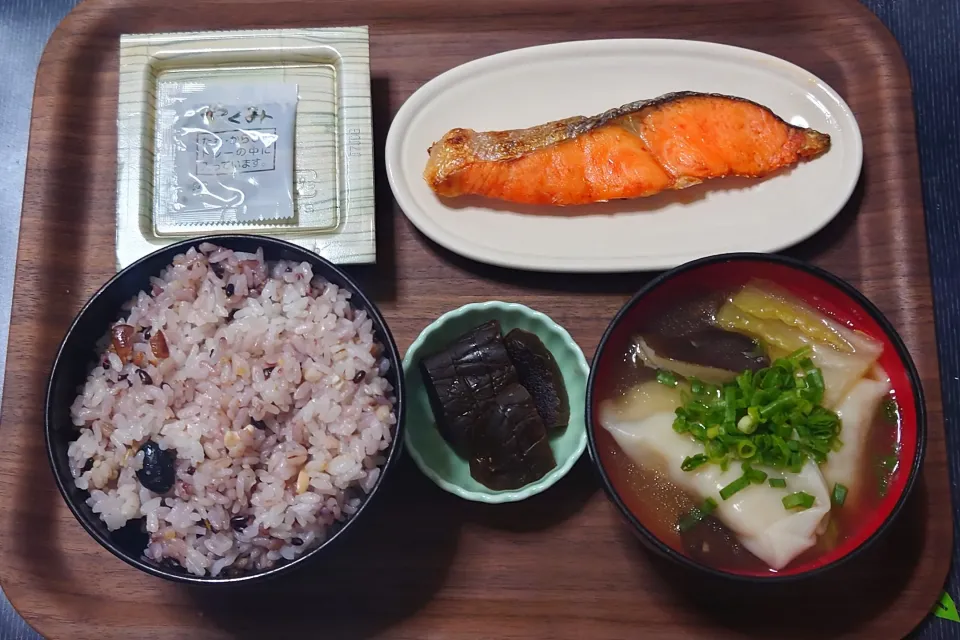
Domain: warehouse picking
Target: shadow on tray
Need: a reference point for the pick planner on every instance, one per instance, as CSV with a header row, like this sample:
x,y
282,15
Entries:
x,y
387,568
382,571
533,282
843,600
837,229
542,511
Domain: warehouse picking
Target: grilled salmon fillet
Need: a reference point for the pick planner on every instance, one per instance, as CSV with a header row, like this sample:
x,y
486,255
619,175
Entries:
x,y
642,148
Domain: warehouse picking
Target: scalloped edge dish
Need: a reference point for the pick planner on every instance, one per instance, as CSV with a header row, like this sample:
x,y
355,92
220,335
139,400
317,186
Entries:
x,y
419,416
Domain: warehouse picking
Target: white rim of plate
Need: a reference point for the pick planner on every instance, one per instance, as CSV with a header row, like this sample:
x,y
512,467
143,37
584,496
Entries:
x,y
423,222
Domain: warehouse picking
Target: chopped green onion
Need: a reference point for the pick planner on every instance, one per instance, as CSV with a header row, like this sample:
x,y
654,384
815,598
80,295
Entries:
x,y
814,379
798,500
697,515
745,382
691,463
746,449
730,404
886,469
771,417
747,424
740,483
755,475
777,406
715,449
839,494
777,483
666,378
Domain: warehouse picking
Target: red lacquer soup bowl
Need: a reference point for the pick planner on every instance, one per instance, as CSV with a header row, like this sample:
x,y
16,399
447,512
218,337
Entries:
x,y
826,293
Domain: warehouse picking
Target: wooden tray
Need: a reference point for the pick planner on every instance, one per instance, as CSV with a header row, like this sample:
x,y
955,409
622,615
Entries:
x,y
425,564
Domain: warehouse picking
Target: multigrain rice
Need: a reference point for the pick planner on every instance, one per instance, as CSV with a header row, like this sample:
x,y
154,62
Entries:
x,y
269,394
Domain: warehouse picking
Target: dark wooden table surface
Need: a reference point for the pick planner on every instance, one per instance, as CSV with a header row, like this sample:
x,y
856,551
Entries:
x,y
928,31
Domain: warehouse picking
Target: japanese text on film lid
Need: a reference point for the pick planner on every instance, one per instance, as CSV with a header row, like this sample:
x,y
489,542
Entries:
x,y
224,153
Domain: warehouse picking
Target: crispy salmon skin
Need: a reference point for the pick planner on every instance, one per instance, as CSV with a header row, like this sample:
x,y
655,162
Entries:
x,y
642,148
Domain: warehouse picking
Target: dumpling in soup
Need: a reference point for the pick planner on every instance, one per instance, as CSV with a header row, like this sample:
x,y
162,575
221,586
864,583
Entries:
x,y
642,424
856,411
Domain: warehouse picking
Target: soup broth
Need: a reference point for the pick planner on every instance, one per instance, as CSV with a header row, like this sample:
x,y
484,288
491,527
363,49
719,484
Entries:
x,y
695,336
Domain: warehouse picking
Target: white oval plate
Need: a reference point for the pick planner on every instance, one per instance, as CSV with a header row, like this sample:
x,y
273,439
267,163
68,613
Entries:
x,y
531,86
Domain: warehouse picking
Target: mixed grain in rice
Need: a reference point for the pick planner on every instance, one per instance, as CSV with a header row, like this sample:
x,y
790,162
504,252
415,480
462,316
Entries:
x,y
260,386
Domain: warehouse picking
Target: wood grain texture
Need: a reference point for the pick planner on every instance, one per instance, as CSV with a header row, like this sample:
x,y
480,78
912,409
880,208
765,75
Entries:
x,y
425,564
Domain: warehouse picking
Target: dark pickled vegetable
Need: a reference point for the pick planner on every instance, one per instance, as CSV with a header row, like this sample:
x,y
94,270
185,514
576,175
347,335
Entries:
x,y
297,542
540,375
510,447
239,523
159,468
229,290
358,378
158,345
144,377
218,269
87,465
121,337
463,380
268,371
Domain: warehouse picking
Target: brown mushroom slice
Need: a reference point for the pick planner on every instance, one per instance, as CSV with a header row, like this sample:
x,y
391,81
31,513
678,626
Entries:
x,y
645,355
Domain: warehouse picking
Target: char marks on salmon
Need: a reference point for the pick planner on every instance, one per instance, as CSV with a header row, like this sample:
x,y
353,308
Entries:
x,y
637,150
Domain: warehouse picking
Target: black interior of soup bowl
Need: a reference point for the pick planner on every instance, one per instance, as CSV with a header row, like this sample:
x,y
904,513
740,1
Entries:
x,y
77,355
825,293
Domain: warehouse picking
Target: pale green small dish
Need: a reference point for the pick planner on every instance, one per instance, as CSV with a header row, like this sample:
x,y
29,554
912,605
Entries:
x,y
431,452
